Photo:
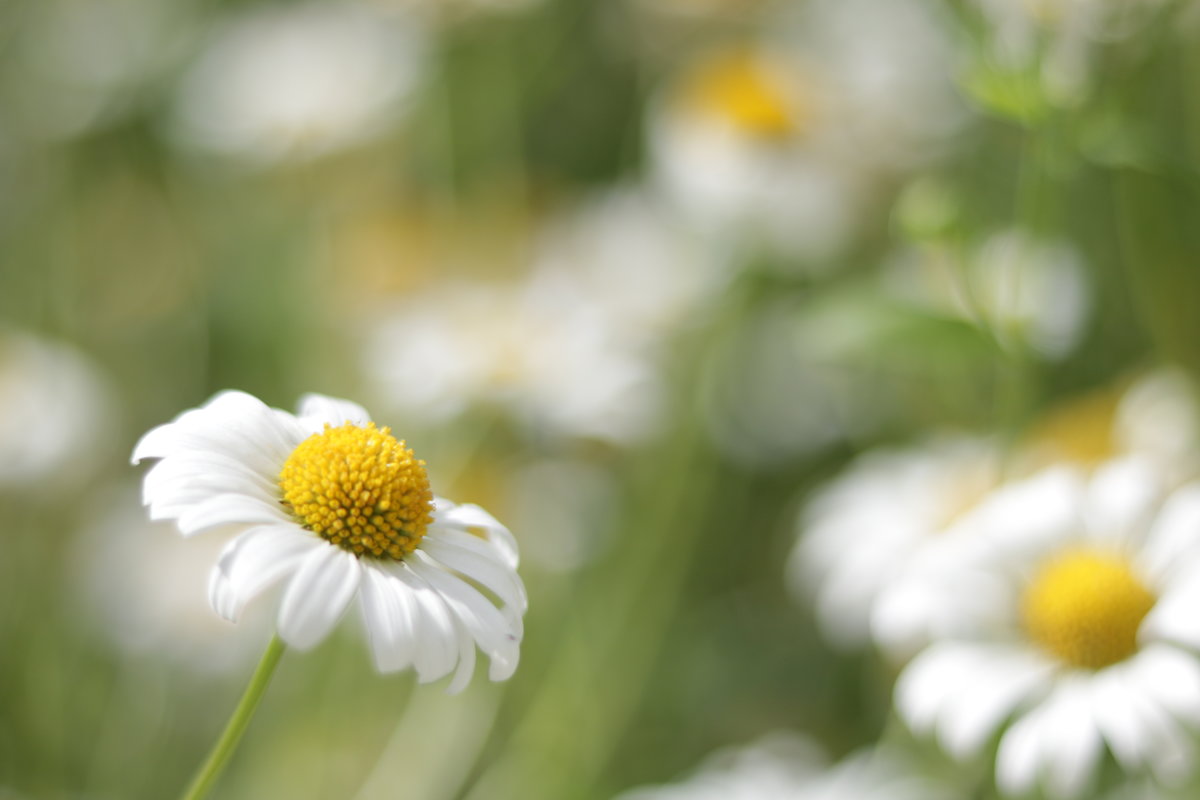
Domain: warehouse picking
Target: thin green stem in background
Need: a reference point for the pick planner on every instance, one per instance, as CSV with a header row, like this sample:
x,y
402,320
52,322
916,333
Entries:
x,y
223,749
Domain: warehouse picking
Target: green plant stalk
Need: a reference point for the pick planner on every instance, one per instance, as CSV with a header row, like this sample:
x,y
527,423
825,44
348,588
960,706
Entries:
x,y
214,765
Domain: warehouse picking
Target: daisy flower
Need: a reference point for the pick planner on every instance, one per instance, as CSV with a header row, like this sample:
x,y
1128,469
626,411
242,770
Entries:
x,y
55,404
298,82
781,141
1085,636
868,538
1156,417
339,509
551,358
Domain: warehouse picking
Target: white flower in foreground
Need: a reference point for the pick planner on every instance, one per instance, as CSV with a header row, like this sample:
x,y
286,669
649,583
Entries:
x,y
297,82
784,766
340,509
866,541
1088,640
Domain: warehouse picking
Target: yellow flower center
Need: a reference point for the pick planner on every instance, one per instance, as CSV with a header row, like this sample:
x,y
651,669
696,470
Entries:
x,y
740,89
359,488
1085,607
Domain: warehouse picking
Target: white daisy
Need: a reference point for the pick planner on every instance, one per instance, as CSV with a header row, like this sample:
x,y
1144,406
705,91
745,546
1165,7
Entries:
x,y
785,766
867,540
730,146
1156,417
624,251
549,357
55,405
299,81
1086,638
779,143
340,509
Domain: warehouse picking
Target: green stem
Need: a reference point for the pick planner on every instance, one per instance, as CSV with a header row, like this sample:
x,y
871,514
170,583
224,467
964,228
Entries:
x,y
223,749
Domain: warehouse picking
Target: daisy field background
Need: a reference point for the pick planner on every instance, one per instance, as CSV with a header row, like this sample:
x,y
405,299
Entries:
x,y
831,361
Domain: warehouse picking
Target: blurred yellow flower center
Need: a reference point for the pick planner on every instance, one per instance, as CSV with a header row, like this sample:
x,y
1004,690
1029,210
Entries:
x,y
1081,430
740,89
359,488
1085,607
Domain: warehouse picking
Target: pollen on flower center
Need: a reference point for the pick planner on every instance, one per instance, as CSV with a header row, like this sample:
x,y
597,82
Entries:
x,y
1085,607
742,90
359,488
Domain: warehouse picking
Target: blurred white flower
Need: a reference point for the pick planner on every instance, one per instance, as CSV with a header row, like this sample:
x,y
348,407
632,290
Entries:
x,y
1155,417
549,357
340,509
1027,292
55,412
866,540
785,766
624,251
730,145
82,63
159,611
779,142
298,81
1086,639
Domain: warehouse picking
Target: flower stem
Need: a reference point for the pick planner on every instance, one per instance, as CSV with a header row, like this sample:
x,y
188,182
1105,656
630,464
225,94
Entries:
x,y
223,749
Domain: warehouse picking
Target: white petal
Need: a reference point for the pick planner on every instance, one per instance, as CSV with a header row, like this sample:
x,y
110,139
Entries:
x,y
1004,677
1004,519
469,515
1119,501
230,509
391,618
332,410
1175,533
477,560
174,483
1072,738
252,562
1174,616
487,626
436,649
233,423
1020,752
1172,678
317,595
930,681
1119,721
466,660
1138,728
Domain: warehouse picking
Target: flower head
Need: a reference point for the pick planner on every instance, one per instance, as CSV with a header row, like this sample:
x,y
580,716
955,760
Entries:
x,y
869,539
340,508
1088,635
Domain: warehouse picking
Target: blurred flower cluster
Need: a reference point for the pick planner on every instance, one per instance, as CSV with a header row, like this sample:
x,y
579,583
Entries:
x,y
832,362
